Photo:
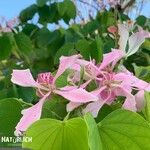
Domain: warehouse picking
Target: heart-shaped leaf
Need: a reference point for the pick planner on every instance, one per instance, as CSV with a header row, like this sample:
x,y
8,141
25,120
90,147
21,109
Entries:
x,y
125,130
10,113
50,134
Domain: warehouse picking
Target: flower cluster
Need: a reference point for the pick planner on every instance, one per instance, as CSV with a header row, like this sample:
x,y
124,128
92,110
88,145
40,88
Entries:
x,y
111,78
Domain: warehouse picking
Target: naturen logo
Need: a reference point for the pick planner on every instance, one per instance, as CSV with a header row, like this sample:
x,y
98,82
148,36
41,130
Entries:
x,y
6,139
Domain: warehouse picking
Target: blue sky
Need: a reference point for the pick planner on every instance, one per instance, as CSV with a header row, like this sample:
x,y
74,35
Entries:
x,y
11,8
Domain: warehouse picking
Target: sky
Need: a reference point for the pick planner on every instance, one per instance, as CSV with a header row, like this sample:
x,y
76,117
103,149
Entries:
x,y
11,8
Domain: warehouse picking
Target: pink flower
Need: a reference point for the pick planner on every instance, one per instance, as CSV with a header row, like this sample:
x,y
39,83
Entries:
x,y
7,26
45,86
112,85
134,41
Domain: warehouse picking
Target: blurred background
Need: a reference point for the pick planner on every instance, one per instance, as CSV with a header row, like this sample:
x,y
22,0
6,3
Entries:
x,y
12,8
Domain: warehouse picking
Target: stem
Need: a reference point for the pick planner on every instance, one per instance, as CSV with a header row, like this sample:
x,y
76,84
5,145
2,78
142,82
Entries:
x,y
23,102
67,116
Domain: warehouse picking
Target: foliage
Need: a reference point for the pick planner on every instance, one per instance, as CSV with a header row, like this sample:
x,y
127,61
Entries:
x,y
34,43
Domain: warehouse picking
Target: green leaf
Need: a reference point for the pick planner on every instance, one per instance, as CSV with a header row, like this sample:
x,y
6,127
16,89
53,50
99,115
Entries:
x,y
43,37
106,19
54,108
146,110
10,114
28,13
58,135
44,14
90,27
70,12
142,72
72,36
83,47
141,20
41,3
55,42
62,80
24,43
54,17
62,8
126,130
29,29
5,47
146,45
26,93
65,50
90,49
94,138
97,50
104,111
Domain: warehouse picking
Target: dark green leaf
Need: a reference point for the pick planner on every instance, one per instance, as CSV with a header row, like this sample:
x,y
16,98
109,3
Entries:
x,y
54,108
5,47
65,50
96,50
44,14
141,20
70,12
10,113
41,3
142,72
83,47
23,42
28,13
43,37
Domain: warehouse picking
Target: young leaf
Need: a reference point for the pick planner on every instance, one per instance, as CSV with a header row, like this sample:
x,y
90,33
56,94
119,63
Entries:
x,y
58,135
126,130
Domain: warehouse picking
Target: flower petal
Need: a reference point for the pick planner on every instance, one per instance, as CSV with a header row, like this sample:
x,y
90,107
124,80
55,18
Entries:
x,y
65,63
112,57
136,40
124,35
77,95
94,107
71,106
30,115
139,98
130,103
23,78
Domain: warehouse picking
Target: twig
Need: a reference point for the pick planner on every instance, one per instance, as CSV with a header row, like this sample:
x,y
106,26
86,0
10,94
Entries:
x,y
88,4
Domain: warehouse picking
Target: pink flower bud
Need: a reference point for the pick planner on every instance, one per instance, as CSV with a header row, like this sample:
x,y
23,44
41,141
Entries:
x,y
112,29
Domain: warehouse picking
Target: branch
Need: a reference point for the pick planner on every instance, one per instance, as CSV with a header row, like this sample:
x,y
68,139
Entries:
x,y
128,4
88,4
